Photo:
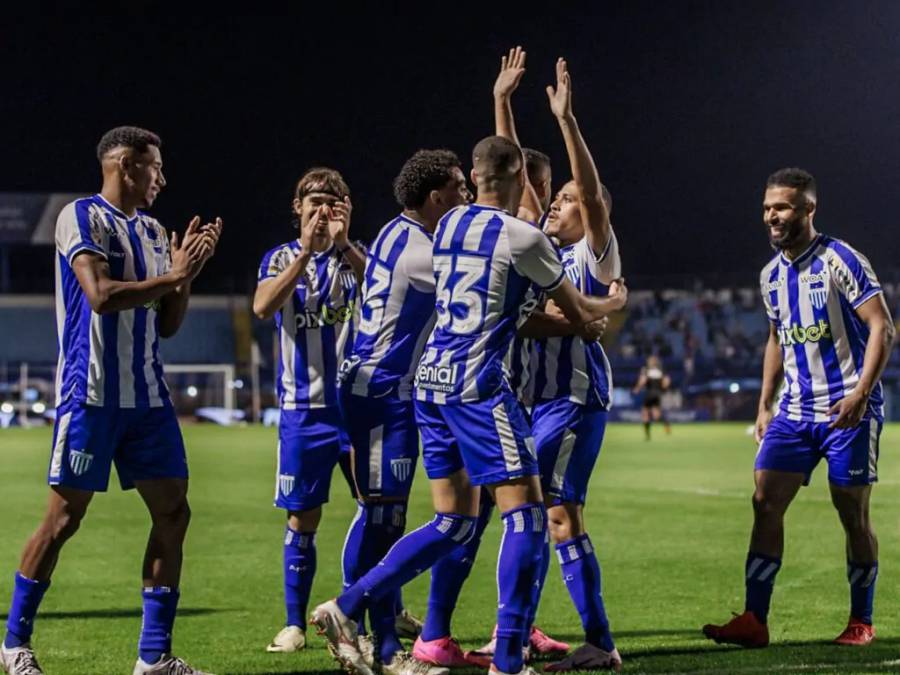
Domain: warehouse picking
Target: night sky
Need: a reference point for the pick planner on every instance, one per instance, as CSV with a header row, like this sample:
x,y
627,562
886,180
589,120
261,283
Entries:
x,y
686,106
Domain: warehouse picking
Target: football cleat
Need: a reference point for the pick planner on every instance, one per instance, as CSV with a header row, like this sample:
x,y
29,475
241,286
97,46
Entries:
x,y
856,634
543,645
483,656
367,649
444,651
19,660
341,633
404,663
744,630
167,665
587,657
407,625
525,671
289,639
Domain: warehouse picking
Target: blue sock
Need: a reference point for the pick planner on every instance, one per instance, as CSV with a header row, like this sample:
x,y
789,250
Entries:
x,y
760,571
352,543
518,566
537,590
27,596
299,570
581,572
384,526
862,578
350,555
160,603
409,557
448,576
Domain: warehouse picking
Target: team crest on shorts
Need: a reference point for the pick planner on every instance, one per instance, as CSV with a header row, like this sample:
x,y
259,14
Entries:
x,y
286,484
818,295
401,468
80,461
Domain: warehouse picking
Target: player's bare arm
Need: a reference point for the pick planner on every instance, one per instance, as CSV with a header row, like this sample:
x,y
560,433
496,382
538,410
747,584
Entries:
x,y
773,367
512,68
594,212
272,294
850,409
641,383
339,229
581,309
174,304
107,295
551,322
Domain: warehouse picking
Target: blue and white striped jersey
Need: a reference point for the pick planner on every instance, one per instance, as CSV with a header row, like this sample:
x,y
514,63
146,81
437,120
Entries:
x,y
518,364
566,367
812,303
113,359
315,328
396,314
485,262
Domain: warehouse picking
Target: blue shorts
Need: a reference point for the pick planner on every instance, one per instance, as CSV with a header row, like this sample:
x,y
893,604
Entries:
x,y
489,438
852,454
310,443
385,442
144,443
568,437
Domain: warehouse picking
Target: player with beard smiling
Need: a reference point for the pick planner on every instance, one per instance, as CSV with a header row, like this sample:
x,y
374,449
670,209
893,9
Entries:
x,y
830,335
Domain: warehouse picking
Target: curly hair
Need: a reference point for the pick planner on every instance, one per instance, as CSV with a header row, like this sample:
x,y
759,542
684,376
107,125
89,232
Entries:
x,y
799,179
425,171
321,179
129,137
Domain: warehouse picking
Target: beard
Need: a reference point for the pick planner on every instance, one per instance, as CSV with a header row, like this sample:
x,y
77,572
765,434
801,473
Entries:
x,y
791,232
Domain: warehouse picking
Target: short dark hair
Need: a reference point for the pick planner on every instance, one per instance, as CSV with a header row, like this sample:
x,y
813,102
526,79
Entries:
x,y
128,137
495,158
799,179
425,171
535,160
321,179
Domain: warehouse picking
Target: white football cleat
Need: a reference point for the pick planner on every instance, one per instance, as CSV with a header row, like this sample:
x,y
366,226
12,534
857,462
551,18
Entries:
x,y
526,670
405,663
408,625
341,633
367,649
167,665
19,660
289,639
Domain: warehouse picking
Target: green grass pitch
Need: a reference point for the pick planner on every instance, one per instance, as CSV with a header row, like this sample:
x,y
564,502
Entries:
x,y
670,520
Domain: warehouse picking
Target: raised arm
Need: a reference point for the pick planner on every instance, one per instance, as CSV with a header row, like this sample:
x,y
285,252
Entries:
x,y
594,211
512,68
339,227
173,305
106,295
272,294
877,317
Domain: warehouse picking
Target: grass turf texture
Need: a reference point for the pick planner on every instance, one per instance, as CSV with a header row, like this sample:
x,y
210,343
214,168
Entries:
x,y
670,520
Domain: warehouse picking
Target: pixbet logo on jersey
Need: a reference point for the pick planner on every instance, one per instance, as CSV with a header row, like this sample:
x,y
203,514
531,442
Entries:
x,y
795,334
326,316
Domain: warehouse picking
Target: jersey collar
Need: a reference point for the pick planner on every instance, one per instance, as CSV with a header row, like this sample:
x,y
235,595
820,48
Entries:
x,y
112,208
416,223
814,244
